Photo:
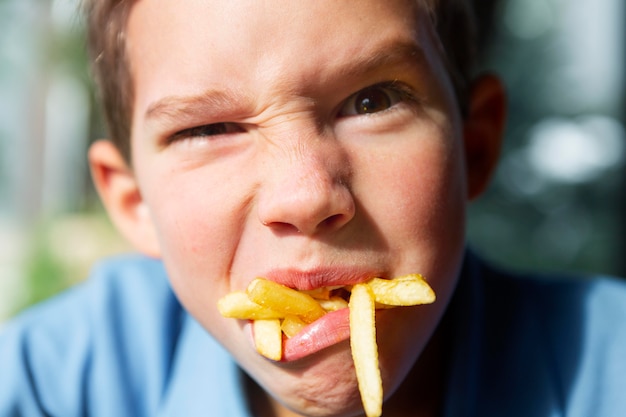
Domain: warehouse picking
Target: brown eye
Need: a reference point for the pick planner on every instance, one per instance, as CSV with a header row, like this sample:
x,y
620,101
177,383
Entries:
x,y
370,100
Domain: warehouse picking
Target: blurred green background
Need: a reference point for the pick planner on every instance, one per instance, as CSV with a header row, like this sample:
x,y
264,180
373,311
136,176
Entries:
x,y
557,202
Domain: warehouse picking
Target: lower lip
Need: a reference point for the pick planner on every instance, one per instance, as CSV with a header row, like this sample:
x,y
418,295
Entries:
x,y
329,330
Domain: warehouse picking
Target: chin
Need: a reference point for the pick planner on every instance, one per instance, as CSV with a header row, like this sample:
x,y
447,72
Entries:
x,y
323,384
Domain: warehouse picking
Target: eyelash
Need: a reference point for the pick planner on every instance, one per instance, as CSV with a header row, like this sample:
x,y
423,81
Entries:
x,y
396,92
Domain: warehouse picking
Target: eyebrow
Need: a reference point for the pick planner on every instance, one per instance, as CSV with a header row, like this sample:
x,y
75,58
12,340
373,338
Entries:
x,y
220,101
181,107
384,55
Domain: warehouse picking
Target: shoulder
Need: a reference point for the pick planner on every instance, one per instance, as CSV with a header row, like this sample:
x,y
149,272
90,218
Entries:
x,y
561,302
584,326
558,338
126,284
99,329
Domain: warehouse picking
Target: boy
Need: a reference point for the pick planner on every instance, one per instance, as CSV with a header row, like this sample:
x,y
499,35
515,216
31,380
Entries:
x,y
316,144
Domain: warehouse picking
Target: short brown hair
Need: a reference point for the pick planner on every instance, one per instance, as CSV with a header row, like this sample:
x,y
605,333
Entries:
x,y
106,40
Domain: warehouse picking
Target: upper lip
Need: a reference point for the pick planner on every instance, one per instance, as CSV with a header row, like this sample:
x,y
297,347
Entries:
x,y
309,279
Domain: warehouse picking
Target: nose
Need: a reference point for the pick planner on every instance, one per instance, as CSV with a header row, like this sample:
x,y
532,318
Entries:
x,y
307,191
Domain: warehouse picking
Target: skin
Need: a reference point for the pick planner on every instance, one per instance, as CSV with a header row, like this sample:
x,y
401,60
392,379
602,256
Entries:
x,y
249,159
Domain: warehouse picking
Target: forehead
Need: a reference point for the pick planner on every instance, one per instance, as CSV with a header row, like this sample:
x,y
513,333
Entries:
x,y
180,48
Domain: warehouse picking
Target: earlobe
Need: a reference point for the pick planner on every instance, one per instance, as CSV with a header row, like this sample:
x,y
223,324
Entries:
x,y
121,196
483,131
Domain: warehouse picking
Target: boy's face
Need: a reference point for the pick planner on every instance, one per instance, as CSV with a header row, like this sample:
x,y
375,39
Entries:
x,y
313,143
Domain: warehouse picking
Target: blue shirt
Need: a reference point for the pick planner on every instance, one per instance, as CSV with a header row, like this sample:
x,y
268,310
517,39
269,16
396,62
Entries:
x,y
121,345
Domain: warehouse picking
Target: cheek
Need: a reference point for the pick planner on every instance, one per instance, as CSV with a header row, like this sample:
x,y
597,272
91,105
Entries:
x,y
197,231
416,197
417,190
436,196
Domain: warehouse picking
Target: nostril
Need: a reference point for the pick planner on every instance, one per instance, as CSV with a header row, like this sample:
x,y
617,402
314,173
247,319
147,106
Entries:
x,y
282,227
334,220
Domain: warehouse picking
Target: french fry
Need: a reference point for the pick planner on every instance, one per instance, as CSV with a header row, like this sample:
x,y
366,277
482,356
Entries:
x,y
322,293
408,290
333,304
292,325
285,300
268,338
365,349
237,305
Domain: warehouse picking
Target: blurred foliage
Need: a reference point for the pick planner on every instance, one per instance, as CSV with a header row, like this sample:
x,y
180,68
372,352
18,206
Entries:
x,y
62,251
44,275
527,220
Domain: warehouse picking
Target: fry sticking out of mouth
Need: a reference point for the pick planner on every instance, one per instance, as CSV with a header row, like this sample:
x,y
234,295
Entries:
x,y
280,313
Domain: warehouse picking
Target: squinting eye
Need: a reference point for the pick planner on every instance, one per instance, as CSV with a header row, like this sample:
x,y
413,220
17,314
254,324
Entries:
x,y
370,100
214,129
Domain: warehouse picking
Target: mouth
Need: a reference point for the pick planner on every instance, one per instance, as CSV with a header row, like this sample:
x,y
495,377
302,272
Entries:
x,y
290,323
328,330
301,339
330,287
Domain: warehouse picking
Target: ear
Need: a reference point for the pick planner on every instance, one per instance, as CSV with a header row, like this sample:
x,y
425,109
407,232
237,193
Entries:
x,y
120,194
484,131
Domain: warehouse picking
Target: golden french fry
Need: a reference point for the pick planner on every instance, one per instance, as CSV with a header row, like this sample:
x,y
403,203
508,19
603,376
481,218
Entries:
x,y
365,349
406,290
292,325
333,304
322,293
237,305
285,300
268,338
